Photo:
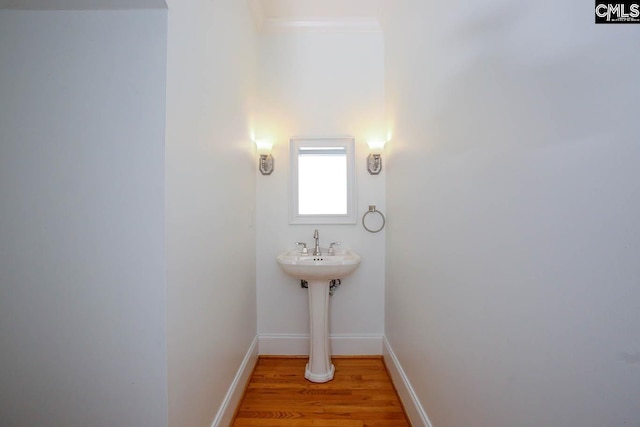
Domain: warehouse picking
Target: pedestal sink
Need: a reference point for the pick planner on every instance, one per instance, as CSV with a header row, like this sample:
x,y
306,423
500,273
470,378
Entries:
x,y
318,271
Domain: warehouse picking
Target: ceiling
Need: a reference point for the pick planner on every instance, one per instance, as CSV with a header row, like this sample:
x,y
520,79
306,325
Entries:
x,y
316,15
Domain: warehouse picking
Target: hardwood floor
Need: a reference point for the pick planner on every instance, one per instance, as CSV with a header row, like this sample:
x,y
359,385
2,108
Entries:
x,y
360,395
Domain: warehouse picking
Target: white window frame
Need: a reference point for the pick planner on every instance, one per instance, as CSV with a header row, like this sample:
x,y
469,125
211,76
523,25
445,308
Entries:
x,y
295,144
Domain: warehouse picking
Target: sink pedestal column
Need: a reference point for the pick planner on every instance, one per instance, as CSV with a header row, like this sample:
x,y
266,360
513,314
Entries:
x,y
319,369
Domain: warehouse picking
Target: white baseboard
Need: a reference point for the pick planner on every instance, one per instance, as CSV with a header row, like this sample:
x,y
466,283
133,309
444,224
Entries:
x,y
225,414
298,344
412,405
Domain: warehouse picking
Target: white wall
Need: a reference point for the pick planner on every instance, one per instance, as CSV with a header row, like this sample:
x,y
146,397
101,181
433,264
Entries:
x,y
82,291
318,84
512,279
210,191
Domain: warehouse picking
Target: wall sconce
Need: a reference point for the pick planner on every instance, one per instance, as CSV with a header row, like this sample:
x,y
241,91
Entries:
x,y
374,159
265,164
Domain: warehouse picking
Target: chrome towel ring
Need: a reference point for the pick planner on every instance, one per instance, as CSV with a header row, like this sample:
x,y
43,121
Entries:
x,y
372,209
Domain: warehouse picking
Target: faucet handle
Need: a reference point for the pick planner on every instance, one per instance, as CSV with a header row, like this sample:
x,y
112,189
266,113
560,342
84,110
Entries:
x,y
332,249
304,248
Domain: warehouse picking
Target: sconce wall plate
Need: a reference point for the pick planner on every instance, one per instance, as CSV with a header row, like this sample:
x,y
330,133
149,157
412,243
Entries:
x,y
266,164
374,163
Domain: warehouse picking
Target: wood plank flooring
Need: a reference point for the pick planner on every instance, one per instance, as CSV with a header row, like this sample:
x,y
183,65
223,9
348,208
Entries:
x,y
360,395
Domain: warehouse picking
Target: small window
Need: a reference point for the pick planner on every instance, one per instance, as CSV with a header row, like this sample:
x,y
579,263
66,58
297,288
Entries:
x,y
322,181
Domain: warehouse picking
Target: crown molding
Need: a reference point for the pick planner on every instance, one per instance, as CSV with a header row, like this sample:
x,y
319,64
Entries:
x,y
342,25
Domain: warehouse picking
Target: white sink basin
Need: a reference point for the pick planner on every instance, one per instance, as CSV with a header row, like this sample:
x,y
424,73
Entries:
x,y
319,268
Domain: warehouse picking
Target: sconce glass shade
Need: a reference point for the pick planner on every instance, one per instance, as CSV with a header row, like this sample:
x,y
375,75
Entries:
x,y
264,147
376,146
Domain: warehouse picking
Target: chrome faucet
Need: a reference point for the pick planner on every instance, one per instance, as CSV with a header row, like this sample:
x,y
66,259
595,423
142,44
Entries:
x,y
304,248
316,249
332,250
